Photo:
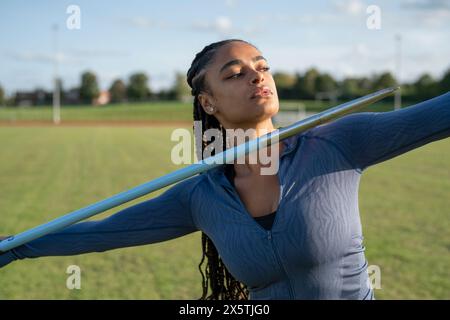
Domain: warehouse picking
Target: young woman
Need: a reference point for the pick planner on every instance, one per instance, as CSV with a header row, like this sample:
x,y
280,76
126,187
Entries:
x,y
293,235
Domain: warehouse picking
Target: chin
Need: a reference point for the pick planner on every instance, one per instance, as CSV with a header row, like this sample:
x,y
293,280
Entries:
x,y
267,110
270,108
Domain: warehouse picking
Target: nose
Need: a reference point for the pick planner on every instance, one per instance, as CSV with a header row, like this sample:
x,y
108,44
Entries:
x,y
257,77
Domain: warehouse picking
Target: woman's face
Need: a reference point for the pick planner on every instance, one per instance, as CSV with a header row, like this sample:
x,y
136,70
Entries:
x,y
233,77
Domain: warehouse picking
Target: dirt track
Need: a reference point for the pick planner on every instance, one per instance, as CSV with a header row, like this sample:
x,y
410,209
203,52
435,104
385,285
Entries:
x,y
95,123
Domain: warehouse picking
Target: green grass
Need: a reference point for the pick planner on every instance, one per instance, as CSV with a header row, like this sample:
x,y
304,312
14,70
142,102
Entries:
x,y
158,111
49,171
406,218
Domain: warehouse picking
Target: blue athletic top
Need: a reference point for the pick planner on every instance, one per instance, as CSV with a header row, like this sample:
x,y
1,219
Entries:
x,y
265,221
314,249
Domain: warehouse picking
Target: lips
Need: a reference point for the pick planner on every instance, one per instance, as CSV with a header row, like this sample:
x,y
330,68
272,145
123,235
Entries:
x,y
262,92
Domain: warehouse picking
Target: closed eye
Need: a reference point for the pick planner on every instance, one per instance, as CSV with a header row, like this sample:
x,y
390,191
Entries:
x,y
237,75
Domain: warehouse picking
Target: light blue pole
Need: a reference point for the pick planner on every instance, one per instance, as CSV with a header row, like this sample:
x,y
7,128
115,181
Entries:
x,y
227,156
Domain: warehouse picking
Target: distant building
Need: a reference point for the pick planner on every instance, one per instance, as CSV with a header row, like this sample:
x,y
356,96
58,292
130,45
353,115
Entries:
x,y
24,99
41,97
72,96
31,98
103,98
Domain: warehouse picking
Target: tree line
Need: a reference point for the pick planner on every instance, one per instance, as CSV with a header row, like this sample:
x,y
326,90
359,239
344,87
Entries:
x,y
312,84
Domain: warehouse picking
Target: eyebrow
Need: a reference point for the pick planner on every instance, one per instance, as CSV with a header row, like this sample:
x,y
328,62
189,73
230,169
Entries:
x,y
238,61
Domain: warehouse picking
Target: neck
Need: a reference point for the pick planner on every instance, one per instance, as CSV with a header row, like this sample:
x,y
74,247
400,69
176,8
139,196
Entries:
x,y
259,129
253,130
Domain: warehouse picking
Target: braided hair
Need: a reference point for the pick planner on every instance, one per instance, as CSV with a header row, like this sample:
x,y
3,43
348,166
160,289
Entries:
x,y
223,285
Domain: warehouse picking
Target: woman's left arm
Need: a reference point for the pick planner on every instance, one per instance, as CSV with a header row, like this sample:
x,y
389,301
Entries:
x,y
369,138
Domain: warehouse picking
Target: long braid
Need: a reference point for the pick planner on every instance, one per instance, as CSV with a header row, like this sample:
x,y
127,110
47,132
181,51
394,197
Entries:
x,y
221,282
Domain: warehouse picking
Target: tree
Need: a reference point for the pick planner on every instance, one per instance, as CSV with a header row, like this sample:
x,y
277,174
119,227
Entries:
x,y
384,80
2,96
118,91
285,83
408,91
350,88
444,84
426,87
364,85
325,83
181,89
137,86
306,84
165,94
89,87
284,80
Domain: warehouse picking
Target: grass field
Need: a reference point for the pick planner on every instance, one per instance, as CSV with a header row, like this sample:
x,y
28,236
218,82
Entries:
x,y
48,171
157,111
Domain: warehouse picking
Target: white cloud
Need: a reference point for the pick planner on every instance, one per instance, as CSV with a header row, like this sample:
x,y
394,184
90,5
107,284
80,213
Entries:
x,y
106,78
361,50
71,56
231,3
351,7
316,20
338,60
427,13
298,59
102,53
361,59
38,57
221,25
427,4
414,65
142,22
162,80
433,18
304,19
419,40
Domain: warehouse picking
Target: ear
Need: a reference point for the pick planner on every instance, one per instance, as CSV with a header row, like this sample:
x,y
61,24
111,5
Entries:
x,y
207,103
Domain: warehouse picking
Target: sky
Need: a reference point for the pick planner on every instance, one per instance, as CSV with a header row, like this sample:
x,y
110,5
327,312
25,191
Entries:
x,y
118,38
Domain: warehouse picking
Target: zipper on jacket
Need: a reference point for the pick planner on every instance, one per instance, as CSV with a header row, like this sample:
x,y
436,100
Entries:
x,y
291,290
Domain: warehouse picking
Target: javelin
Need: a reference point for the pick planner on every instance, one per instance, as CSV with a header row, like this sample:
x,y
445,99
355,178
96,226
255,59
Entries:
x,y
201,166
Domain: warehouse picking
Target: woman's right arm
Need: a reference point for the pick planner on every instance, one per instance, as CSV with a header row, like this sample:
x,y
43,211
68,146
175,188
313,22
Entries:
x,y
165,217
